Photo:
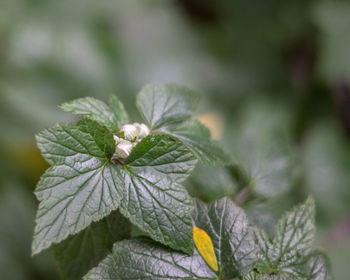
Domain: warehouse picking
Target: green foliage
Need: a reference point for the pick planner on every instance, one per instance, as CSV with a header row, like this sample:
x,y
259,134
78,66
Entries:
x,y
161,105
165,107
319,266
80,187
107,175
93,109
261,148
100,134
80,252
196,137
120,115
145,259
290,256
225,223
292,54
231,234
154,200
210,183
85,182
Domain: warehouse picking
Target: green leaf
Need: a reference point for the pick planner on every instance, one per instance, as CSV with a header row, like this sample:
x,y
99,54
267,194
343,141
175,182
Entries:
x,y
211,183
196,137
160,105
95,110
316,268
154,200
101,135
145,259
257,276
81,187
251,276
269,170
79,253
292,242
165,157
262,147
233,239
319,266
120,114
227,227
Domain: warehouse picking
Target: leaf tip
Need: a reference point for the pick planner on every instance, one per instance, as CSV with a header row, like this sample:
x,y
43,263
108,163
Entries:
x,y
65,106
35,250
310,200
309,204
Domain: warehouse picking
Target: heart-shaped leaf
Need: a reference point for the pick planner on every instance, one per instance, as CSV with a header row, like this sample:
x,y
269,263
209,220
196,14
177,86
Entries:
x,y
165,107
154,200
160,105
82,186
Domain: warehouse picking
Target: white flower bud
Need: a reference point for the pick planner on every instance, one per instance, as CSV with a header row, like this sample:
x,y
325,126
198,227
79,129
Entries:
x,y
123,149
142,129
130,132
117,140
135,143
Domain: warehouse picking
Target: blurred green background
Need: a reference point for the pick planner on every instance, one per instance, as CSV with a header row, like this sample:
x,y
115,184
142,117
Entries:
x,y
274,80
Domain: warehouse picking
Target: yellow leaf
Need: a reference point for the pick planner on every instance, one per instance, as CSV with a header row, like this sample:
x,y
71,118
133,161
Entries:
x,y
205,247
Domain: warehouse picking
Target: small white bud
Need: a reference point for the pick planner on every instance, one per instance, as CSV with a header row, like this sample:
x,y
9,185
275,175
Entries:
x,y
130,132
117,139
143,130
123,149
135,143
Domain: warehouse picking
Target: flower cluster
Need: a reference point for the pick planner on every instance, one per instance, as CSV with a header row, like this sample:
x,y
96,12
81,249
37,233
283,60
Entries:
x,y
129,136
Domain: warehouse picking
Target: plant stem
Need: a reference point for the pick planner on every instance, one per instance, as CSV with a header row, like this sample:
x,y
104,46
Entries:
x,y
242,196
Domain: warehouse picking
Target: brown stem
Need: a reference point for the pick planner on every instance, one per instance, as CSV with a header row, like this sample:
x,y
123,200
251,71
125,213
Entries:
x,y
242,196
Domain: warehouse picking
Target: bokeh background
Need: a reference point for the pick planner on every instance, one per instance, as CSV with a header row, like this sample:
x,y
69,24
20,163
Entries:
x,y
274,80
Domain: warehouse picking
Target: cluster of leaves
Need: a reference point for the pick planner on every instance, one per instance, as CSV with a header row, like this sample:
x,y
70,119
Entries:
x,y
239,250
88,202
83,186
